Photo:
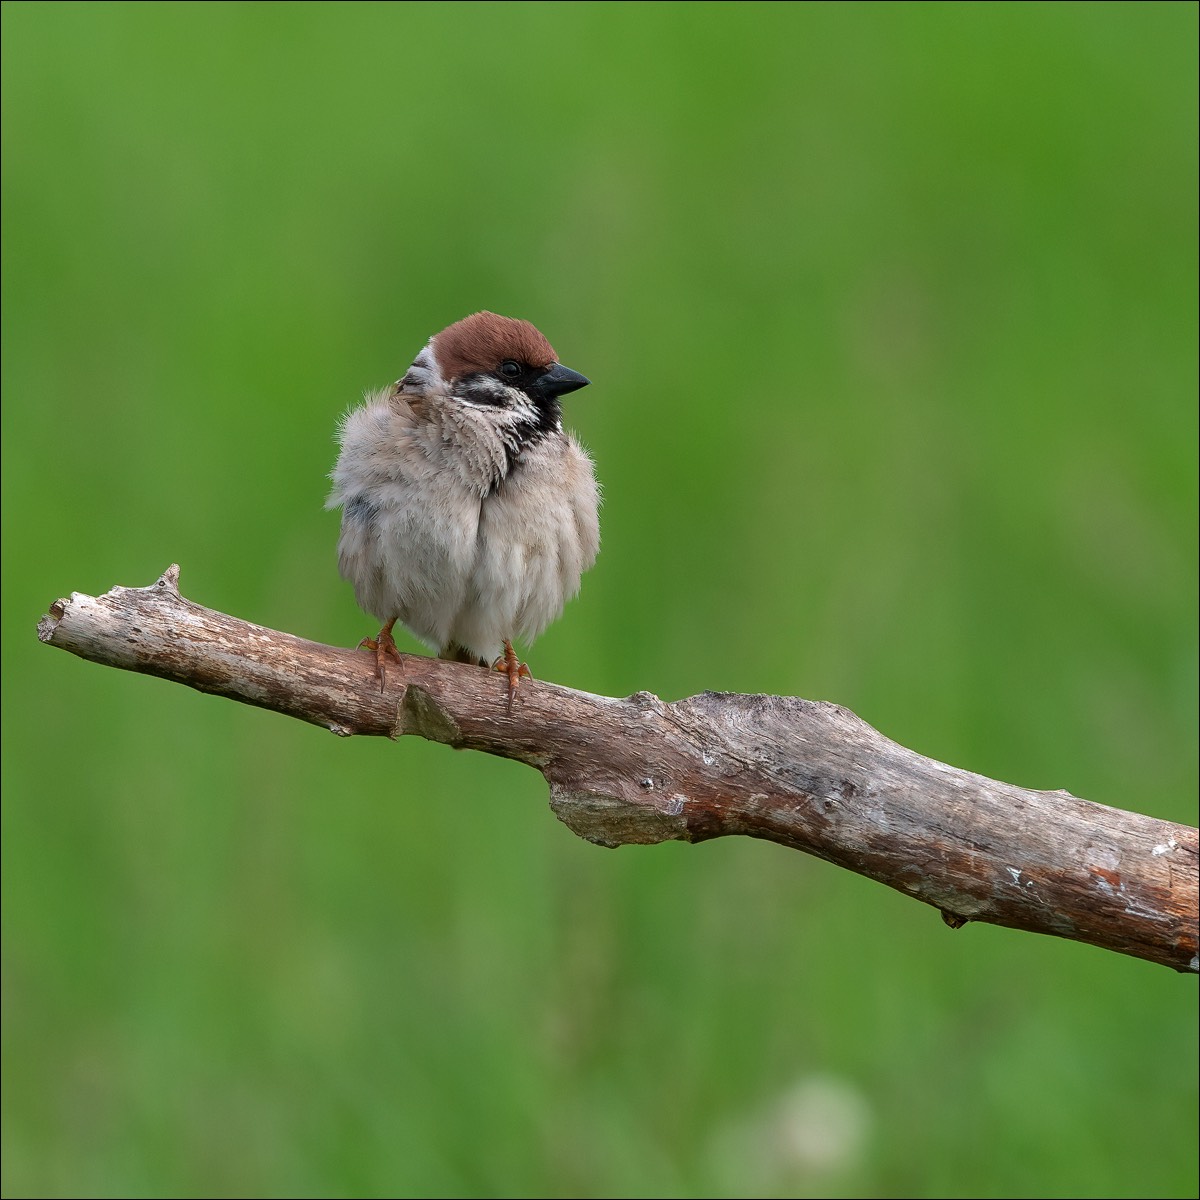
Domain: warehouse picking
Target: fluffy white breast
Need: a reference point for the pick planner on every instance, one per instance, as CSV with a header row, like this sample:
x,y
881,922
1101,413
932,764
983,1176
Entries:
x,y
538,532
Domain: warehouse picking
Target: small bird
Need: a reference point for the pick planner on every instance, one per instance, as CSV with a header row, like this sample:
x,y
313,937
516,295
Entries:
x,y
468,514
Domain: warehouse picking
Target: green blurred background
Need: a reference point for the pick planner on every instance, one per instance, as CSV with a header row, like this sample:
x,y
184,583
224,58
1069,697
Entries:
x,y
891,316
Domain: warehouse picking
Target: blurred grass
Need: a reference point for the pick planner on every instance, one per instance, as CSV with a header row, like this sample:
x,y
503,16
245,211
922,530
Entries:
x,y
891,316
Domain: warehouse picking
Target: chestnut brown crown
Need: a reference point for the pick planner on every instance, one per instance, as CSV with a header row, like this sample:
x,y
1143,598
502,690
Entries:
x,y
482,341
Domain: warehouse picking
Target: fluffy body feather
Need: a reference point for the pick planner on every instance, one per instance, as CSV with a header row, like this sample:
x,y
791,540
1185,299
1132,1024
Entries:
x,y
468,513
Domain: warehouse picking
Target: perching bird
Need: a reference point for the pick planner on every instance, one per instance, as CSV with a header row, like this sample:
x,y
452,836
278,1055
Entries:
x,y
468,514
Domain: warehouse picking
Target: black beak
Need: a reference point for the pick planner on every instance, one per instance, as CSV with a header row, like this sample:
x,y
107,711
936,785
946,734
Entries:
x,y
559,380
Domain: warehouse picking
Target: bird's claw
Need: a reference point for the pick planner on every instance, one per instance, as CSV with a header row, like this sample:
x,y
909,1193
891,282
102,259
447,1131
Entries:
x,y
383,647
508,664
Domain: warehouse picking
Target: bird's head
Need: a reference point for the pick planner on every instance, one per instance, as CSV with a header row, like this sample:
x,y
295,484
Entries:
x,y
490,361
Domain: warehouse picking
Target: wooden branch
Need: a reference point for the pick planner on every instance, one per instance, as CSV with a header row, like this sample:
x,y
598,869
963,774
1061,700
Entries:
x,y
809,775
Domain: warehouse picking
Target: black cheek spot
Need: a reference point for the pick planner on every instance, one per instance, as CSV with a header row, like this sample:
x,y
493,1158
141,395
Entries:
x,y
483,389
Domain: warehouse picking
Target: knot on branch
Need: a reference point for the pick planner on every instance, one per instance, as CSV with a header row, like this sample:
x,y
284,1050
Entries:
x,y
421,714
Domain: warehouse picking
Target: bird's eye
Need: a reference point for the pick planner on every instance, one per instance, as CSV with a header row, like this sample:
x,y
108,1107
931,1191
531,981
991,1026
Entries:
x,y
510,368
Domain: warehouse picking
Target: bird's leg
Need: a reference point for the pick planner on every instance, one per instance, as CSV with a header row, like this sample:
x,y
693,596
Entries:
x,y
510,665
383,647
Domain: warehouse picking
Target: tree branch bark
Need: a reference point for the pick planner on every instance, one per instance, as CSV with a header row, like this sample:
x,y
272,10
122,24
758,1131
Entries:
x,y
806,774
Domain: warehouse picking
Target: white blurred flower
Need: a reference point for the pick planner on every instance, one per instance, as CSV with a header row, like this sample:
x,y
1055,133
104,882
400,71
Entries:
x,y
818,1128
821,1124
